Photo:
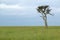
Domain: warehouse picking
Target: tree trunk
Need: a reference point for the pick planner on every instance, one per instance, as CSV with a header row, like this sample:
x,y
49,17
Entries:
x,y
44,16
45,21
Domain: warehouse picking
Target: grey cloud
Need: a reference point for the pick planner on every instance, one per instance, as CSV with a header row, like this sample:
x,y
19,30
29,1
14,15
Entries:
x,y
20,2
9,2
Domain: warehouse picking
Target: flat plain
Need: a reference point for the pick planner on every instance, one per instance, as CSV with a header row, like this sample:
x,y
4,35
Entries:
x,y
29,33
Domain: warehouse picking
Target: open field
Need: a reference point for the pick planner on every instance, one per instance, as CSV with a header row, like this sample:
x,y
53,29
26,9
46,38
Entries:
x,y
29,33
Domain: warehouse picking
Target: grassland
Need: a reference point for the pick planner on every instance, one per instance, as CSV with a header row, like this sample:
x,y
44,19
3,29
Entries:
x,y
29,33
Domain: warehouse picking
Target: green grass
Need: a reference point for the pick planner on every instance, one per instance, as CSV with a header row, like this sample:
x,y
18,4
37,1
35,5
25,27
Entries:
x,y
29,33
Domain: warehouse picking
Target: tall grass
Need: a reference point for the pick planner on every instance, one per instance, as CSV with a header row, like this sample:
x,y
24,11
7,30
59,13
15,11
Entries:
x,y
29,33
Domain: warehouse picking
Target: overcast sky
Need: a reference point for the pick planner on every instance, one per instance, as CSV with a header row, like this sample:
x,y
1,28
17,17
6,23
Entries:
x,y
24,13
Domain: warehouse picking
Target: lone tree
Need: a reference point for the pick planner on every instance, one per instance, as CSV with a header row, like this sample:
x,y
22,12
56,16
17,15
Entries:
x,y
44,10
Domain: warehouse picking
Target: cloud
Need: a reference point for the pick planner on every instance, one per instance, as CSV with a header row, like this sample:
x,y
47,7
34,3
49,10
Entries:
x,y
10,6
9,1
55,10
20,2
10,9
26,6
16,9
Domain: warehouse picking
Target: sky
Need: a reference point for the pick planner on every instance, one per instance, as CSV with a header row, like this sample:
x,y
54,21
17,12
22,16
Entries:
x,y
24,13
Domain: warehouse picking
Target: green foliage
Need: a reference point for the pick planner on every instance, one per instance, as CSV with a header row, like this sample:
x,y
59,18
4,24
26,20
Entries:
x,y
44,9
29,33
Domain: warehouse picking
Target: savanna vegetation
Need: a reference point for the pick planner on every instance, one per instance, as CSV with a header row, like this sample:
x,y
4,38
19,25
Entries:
x,y
29,33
